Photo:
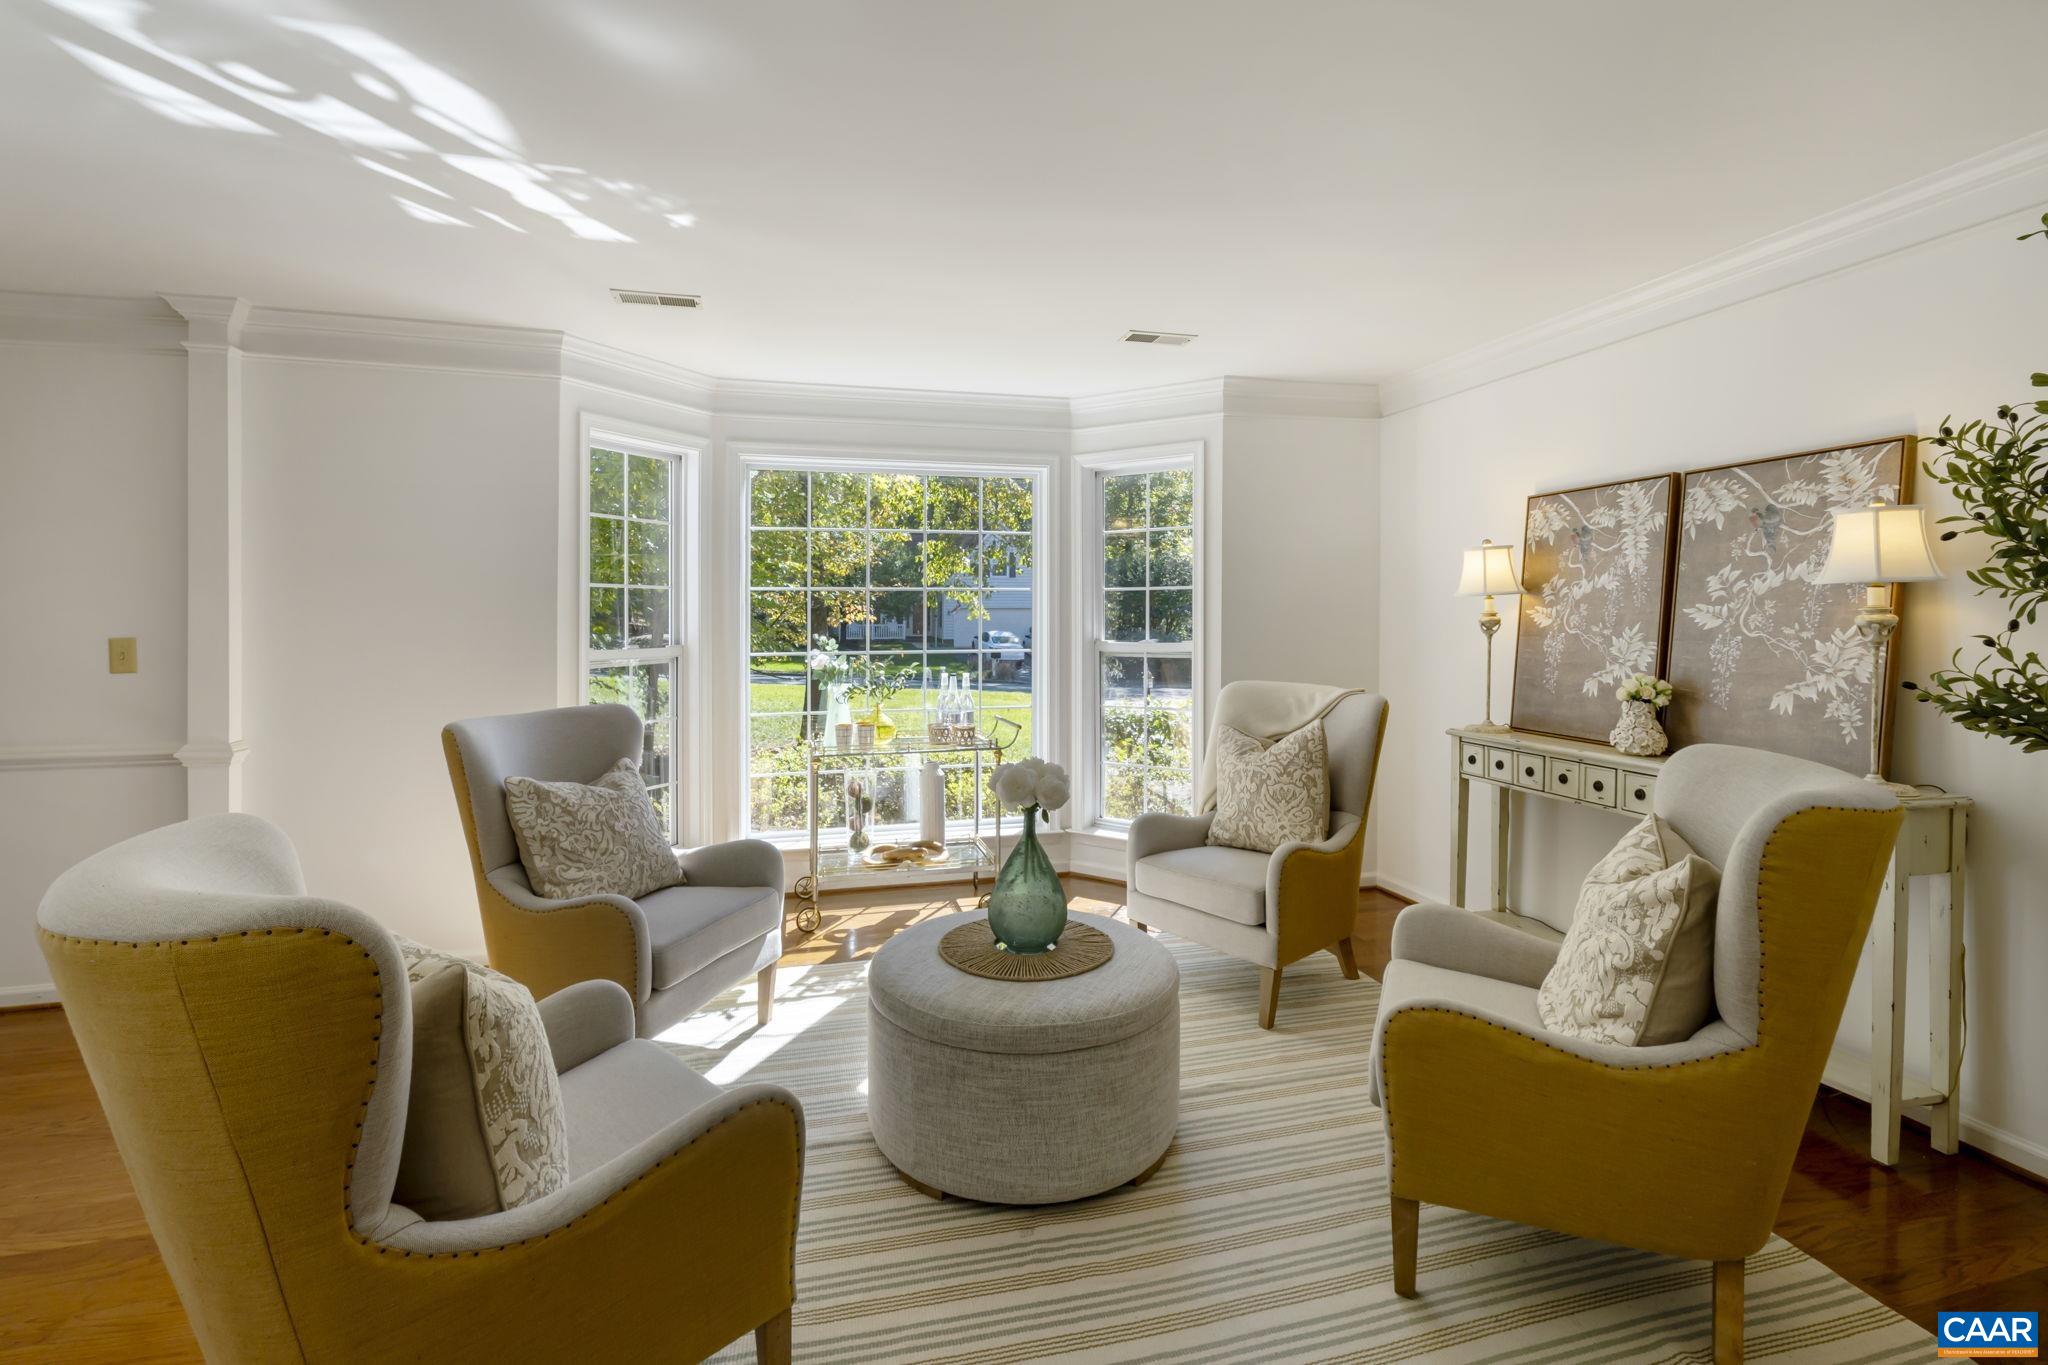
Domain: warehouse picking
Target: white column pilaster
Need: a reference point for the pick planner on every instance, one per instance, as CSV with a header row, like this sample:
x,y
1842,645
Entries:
x,y
214,747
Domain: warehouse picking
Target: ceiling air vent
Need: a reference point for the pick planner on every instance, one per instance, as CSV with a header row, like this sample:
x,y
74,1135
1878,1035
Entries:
x,y
1160,338
658,300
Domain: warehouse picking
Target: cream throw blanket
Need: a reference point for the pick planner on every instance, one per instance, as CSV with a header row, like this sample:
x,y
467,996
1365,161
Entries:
x,y
1267,710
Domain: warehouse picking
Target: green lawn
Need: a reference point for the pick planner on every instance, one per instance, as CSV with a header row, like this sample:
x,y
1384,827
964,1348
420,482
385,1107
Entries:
x,y
778,760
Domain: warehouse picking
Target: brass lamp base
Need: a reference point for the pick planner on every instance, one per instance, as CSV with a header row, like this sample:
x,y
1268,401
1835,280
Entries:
x,y
1489,622
1877,622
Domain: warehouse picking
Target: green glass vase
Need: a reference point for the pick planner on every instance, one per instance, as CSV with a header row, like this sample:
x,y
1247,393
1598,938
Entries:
x,y
1028,908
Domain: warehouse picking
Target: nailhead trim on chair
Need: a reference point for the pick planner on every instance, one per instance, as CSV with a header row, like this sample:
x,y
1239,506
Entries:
x,y
362,1115
1763,860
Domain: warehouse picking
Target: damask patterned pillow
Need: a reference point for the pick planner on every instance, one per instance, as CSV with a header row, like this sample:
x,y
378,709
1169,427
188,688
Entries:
x,y
594,840
1637,965
484,1126
1269,794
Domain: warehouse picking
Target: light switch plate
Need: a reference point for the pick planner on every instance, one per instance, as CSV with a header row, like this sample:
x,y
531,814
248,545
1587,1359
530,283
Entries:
x,y
121,654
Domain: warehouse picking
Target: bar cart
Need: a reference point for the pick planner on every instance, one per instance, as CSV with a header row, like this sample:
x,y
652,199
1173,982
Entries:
x,y
972,853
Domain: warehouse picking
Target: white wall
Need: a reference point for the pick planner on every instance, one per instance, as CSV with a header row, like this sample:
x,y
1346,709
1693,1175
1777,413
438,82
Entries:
x,y
92,545
401,562
1954,326
1301,600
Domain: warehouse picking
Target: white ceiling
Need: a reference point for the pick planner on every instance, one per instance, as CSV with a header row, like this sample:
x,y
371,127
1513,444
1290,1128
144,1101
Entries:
x,y
936,194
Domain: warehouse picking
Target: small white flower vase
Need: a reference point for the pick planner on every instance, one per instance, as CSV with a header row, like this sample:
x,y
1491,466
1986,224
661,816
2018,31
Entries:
x,y
1637,732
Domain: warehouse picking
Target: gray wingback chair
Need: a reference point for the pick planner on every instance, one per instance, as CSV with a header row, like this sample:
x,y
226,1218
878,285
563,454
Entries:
x,y
672,950
1269,909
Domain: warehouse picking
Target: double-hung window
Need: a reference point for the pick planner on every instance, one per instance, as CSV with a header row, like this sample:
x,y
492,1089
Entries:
x,y
632,646
874,592
1144,644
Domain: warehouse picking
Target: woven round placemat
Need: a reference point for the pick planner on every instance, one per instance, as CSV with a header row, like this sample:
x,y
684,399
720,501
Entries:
x,y
972,948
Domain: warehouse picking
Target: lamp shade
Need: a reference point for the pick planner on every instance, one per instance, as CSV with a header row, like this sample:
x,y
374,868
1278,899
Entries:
x,y
1489,572
1881,543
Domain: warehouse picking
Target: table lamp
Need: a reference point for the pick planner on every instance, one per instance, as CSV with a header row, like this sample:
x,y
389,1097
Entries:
x,y
1879,545
1489,573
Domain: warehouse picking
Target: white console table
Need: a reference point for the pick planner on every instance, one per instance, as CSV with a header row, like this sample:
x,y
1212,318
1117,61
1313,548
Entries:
x,y
1933,842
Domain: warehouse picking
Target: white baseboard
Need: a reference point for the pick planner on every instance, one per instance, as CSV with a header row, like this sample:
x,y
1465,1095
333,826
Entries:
x,y
1093,855
14,997
1848,1071
1402,888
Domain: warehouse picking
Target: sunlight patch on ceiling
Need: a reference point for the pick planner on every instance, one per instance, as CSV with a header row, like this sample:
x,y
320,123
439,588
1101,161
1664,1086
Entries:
x,y
428,118
370,163
501,222
161,97
425,214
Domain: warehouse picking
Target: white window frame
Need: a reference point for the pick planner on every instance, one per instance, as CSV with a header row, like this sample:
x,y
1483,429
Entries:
x,y
1042,471
1089,544
681,461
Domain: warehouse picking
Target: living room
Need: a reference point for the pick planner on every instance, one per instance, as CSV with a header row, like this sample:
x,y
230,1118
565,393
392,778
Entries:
x,y
644,526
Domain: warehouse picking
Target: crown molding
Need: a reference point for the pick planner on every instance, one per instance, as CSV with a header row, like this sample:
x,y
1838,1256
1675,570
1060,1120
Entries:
x,y
147,325
593,364
1192,398
1298,398
402,343
213,321
2002,181
1228,396
767,398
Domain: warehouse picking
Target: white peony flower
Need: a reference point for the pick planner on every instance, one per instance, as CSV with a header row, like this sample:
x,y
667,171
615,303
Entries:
x,y
1016,785
1053,790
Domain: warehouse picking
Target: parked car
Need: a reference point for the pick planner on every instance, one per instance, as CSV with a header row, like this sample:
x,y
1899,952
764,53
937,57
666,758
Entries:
x,y
1008,656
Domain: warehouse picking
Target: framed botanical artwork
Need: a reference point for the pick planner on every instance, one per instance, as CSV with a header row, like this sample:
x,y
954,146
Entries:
x,y
1596,578
1760,653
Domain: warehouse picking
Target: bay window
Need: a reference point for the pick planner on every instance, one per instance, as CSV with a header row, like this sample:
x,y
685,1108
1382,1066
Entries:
x,y
893,584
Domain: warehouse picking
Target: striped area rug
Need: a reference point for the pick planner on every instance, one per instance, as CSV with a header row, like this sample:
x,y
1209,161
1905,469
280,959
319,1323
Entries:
x,y
1262,1238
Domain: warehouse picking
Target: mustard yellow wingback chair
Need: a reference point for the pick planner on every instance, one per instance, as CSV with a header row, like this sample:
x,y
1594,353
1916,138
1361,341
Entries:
x,y
252,1047
1684,1148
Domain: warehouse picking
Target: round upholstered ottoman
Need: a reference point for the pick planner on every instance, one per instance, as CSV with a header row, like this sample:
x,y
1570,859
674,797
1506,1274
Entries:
x,y
1023,1092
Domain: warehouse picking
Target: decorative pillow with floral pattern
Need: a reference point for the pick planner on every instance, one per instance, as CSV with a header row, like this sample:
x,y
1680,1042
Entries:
x,y
1268,794
1637,964
485,1128
591,839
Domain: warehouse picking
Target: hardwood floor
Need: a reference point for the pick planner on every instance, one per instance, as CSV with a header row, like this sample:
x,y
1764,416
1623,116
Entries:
x,y
80,1279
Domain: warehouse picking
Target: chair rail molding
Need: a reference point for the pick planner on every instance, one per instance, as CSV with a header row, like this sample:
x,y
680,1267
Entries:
x,y
66,757
2003,181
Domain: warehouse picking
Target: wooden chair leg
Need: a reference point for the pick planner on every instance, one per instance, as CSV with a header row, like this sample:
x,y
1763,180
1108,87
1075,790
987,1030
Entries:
x,y
1406,1217
771,1340
1727,1313
764,985
1346,958
1269,995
